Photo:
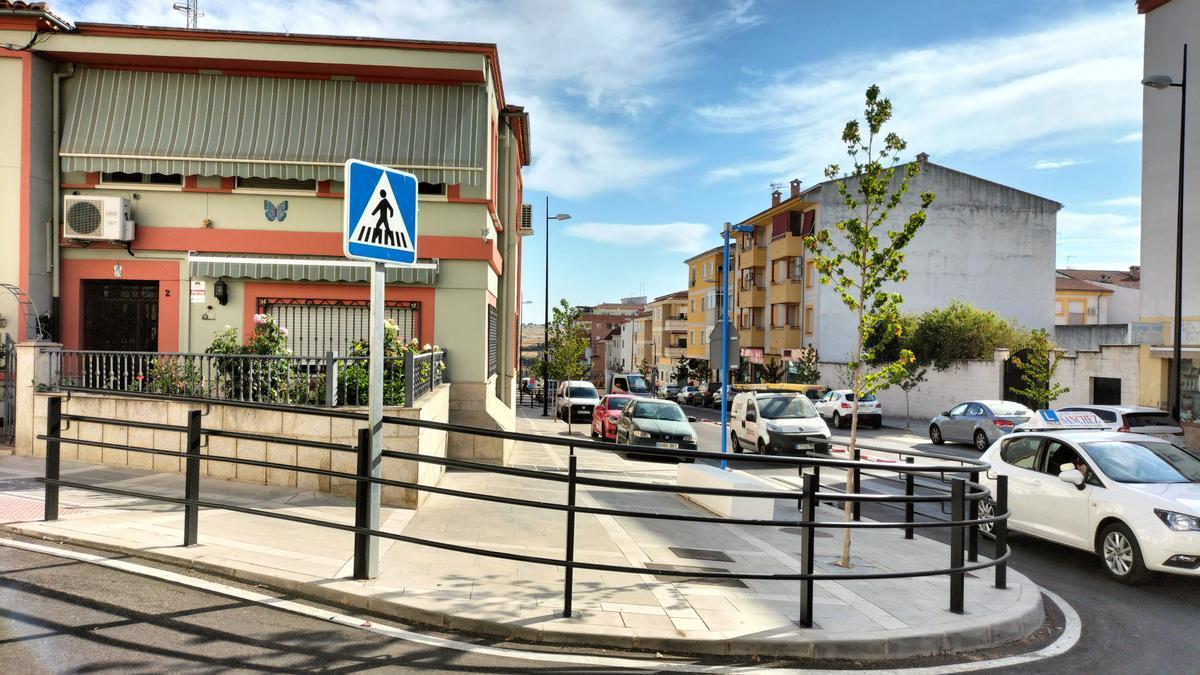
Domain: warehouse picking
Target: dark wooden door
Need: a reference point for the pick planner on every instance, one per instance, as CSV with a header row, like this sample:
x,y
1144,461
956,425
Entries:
x,y
120,316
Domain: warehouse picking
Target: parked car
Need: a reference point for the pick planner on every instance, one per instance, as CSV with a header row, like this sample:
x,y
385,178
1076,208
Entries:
x,y
1136,420
978,422
607,413
628,383
726,399
711,389
655,423
1132,499
575,400
837,406
688,395
776,422
669,391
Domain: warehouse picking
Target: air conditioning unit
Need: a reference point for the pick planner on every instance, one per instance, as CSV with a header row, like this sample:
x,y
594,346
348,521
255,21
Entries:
x,y
1093,311
91,218
526,219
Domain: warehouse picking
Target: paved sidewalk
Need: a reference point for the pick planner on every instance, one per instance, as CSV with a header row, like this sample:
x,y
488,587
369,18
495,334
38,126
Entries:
x,y
854,619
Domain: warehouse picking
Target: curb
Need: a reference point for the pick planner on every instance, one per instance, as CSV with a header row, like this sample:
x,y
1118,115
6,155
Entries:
x,y
981,632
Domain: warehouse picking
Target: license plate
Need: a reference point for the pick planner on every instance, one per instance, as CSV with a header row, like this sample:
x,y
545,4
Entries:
x,y
1166,437
669,446
804,446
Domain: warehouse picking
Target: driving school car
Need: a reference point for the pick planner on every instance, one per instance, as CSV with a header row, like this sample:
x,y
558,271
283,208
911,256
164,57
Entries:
x,y
1133,499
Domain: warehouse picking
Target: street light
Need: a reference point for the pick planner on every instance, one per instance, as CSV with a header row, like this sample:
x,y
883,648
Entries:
x,y
546,325
725,336
521,344
1163,82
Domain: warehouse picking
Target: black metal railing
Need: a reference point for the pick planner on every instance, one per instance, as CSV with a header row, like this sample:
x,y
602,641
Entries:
x,y
330,380
962,497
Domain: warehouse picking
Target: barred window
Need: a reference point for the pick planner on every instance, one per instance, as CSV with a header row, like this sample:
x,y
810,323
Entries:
x,y
316,326
493,340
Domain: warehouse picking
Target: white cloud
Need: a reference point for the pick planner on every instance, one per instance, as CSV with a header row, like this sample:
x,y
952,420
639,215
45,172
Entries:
x,y
679,237
1132,201
985,95
1131,137
1105,228
1050,164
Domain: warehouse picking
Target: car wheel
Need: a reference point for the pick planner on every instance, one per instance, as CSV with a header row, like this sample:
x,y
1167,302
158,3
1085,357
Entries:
x,y
1121,555
987,509
981,441
836,420
594,434
734,442
935,434
763,449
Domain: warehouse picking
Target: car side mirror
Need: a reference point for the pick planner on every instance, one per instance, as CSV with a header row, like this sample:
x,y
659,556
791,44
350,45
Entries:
x,y
945,413
1074,477
693,419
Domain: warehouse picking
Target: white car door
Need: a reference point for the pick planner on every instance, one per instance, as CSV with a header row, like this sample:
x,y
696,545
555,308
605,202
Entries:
x,y
1063,513
824,406
1019,462
749,433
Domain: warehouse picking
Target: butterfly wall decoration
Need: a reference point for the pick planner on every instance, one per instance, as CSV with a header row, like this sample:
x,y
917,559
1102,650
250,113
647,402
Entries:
x,y
275,213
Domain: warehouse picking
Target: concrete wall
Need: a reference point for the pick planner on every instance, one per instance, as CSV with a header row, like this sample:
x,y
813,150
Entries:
x,y
1124,304
472,404
1076,371
983,243
1091,336
11,169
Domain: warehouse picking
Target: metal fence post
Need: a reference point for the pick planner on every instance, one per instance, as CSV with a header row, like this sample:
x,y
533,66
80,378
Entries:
x,y
410,378
331,378
191,480
362,507
957,510
973,531
1000,528
856,485
909,491
808,513
570,549
53,430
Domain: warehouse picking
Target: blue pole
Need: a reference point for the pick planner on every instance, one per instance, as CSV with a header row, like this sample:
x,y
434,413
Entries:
x,y
725,350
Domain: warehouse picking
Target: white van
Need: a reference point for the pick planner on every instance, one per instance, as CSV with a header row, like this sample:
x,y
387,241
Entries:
x,y
776,422
628,383
574,400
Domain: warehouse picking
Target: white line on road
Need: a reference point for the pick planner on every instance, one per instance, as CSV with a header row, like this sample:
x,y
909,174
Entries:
x,y
1061,645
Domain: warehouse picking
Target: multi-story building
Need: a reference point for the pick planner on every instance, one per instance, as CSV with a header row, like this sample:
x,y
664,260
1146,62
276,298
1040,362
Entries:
x,y
705,272
983,243
1169,25
159,184
642,327
600,320
668,337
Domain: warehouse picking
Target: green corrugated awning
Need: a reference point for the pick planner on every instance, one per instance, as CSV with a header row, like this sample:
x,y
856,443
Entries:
x,y
304,269
265,127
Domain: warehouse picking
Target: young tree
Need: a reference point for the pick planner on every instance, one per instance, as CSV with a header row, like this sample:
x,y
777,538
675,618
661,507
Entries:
x,y
772,371
912,378
806,366
862,256
1038,371
644,368
568,344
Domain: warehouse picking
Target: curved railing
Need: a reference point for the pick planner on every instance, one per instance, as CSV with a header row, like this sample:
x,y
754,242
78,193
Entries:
x,y
962,498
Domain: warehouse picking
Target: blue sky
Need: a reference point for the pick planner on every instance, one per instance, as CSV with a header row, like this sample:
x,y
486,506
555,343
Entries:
x,y
655,121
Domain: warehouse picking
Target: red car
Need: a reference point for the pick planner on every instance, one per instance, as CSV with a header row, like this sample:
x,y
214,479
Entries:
x,y
606,414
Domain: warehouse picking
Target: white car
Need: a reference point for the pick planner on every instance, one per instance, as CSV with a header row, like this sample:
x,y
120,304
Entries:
x,y
575,400
1133,499
1135,420
838,405
776,423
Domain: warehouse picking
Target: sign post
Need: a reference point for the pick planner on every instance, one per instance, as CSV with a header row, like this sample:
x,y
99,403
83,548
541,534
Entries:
x,y
379,226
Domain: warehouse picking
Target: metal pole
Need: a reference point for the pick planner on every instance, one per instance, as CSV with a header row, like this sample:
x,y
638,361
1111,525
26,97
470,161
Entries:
x,y
331,376
973,531
725,347
957,497
362,503
191,480
53,430
856,483
1177,346
546,323
808,513
909,507
570,550
1000,527
375,414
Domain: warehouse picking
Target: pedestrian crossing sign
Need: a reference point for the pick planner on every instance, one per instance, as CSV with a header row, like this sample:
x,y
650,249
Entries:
x,y
380,214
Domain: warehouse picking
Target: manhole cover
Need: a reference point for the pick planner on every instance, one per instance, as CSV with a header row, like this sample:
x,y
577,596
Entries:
x,y
700,554
818,534
707,581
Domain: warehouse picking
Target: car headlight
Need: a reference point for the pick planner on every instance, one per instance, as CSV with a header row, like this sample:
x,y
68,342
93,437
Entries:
x,y
771,426
1180,522
638,433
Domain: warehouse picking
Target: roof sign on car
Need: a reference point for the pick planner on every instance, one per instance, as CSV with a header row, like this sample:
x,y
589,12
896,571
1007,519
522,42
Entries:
x,y
1050,420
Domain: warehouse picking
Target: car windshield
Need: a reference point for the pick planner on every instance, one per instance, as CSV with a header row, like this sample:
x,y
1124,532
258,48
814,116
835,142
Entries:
x,y
786,407
582,392
653,410
637,383
865,399
1144,461
618,402
1004,408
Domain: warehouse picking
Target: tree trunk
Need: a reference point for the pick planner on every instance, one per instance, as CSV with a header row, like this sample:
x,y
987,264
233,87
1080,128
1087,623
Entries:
x,y
848,507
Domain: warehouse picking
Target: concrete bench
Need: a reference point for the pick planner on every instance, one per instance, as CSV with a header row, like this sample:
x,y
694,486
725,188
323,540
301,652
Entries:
x,y
703,475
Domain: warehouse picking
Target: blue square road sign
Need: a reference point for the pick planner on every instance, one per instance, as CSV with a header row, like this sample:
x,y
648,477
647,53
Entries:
x,y
379,222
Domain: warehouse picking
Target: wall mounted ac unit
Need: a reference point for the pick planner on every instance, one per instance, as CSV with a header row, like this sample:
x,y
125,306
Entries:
x,y
91,218
1093,311
526,219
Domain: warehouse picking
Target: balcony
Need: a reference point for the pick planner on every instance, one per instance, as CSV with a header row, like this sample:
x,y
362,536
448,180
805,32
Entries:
x,y
755,257
675,325
754,297
791,291
786,247
751,337
672,352
784,337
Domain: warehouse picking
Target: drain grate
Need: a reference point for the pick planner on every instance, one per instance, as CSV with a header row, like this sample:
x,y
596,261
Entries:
x,y
700,554
707,581
817,534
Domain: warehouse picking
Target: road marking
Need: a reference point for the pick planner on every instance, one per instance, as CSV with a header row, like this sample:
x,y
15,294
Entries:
x,y
1061,645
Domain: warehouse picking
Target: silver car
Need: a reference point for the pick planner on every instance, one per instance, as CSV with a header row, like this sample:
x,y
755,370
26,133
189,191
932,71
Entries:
x,y
978,422
1135,419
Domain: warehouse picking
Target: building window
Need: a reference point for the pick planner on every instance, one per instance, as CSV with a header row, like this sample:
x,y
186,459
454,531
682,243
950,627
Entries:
x,y
808,320
317,326
277,184
1077,312
793,315
778,315
810,272
431,188
164,179
796,268
493,340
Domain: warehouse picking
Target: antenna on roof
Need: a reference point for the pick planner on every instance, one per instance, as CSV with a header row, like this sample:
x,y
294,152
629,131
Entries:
x,y
776,186
190,9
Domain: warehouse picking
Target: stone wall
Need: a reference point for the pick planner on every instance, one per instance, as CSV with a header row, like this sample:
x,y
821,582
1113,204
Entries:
x,y
1114,361
476,405
434,406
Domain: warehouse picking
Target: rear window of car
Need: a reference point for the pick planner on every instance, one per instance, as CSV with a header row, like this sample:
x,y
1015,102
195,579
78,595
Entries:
x,y
581,392
1005,409
1159,419
865,399
1021,452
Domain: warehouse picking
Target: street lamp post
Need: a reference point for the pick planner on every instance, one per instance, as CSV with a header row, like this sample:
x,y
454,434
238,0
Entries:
x,y
546,325
521,349
1163,82
726,231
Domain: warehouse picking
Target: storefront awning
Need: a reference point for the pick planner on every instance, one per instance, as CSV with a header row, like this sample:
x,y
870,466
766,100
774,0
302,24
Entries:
x,y
264,127
305,269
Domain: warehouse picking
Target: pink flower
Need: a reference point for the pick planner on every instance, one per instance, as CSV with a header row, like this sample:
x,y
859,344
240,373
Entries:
x,y
260,319
283,331
140,378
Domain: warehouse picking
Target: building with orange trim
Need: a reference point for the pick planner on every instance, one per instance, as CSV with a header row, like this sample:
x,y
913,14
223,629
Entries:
x,y
226,148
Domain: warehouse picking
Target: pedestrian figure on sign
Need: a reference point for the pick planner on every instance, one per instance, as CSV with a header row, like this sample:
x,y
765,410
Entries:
x,y
383,232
